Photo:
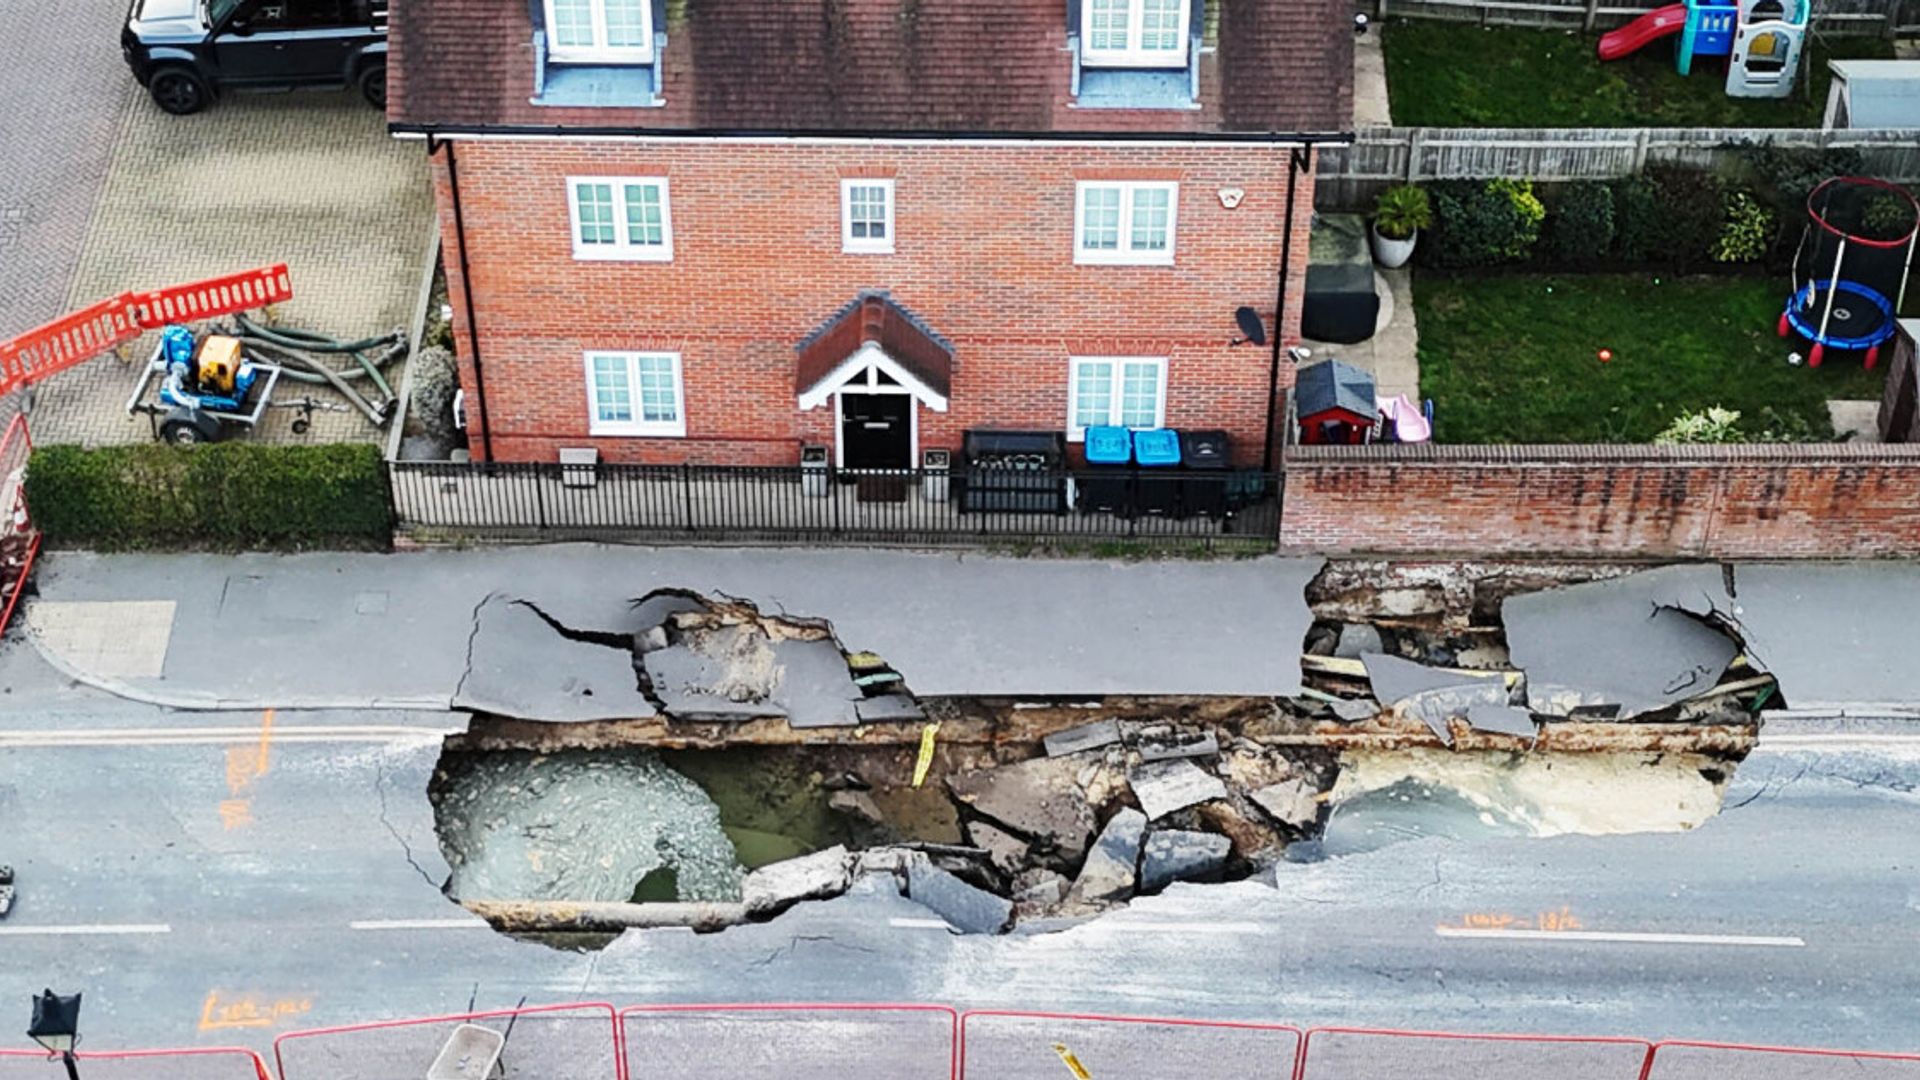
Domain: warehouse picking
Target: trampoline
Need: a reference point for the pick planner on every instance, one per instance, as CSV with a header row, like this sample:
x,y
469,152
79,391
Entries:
x,y
1850,271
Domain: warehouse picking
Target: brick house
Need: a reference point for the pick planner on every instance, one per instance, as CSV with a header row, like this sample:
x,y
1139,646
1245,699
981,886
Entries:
x,y
718,230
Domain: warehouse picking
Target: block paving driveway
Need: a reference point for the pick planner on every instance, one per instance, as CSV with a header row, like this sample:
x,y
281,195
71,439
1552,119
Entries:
x,y
100,192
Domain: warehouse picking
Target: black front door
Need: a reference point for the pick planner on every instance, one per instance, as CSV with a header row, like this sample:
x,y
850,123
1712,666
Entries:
x,y
876,431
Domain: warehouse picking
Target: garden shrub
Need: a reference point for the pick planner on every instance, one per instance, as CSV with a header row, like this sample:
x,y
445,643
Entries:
x,y
1886,216
223,495
1746,229
1639,223
1483,223
1581,228
1783,177
1689,217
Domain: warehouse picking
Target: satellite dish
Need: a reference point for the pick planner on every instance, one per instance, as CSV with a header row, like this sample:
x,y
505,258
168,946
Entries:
x,y
1251,328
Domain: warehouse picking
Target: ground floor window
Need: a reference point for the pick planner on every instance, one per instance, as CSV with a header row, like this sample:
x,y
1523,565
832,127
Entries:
x,y
631,393
1117,391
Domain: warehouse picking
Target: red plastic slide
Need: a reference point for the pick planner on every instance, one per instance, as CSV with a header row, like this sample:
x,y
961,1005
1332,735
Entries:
x,y
1648,28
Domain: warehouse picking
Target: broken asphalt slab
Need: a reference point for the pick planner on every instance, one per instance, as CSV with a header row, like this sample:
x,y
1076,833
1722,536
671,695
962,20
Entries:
x,y
1641,641
951,624
519,665
1836,635
1434,695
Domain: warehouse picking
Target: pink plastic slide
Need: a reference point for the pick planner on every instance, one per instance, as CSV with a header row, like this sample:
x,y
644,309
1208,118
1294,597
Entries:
x,y
1643,31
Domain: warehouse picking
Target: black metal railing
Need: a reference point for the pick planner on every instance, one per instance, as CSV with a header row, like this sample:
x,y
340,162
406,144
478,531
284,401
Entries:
x,y
1214,510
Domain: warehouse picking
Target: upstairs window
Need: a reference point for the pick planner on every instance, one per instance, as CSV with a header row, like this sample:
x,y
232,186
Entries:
x,y
600,31
620,218
1125,222
1134,33
866,216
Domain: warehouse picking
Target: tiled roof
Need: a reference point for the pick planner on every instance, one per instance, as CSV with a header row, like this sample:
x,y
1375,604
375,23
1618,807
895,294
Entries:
x,y
873,66
873,316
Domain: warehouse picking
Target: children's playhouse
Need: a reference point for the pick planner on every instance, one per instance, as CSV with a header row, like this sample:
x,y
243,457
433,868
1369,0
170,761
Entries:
x,y
1762,39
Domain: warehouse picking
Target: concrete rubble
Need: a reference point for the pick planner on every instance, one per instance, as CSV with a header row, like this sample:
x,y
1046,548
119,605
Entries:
x,y
1166,786
968,909
1290,802
1171,855
776,887
1085,737
1112,867
1037,799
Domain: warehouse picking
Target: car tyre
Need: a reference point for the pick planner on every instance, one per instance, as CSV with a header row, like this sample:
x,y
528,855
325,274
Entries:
x,y
179,90
373,86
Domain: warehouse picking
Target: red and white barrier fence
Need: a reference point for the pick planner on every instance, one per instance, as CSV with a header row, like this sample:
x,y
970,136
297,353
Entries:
x,y
189,1063
901,1041
84,334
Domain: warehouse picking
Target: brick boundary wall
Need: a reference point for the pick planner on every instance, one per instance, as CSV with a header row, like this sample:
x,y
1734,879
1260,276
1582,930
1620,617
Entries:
x,y
1757,501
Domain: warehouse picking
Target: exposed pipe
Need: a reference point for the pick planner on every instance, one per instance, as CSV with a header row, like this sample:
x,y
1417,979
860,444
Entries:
x,y
527,916
466,290
1296,160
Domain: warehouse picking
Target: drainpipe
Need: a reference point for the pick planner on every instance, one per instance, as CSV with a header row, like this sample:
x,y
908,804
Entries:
x,y
466,290
1297,159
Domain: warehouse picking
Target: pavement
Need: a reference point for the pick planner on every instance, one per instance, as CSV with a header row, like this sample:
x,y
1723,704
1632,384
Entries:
x,y
1370,103
397,631
146,200
221,879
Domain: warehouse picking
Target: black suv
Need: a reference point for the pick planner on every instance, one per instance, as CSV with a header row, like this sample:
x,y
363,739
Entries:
x,y
186,51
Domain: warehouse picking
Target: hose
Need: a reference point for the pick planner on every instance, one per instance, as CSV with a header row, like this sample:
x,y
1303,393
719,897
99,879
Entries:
x,y
305,341
318,373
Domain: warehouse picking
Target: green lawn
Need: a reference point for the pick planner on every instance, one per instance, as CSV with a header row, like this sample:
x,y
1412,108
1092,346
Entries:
x,y
1446,74
1513,358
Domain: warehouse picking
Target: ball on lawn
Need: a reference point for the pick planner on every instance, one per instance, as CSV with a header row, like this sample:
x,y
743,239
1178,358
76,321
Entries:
x,y
1606,355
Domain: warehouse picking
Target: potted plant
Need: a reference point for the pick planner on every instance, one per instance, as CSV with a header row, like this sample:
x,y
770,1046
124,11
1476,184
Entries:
x,y
1398,216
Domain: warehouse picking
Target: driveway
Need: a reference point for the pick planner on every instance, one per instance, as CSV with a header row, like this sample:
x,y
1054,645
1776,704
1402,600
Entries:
x,y
112,194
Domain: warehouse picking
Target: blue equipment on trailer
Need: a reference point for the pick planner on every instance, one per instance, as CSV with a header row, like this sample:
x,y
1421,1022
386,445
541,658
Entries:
x,y
204,386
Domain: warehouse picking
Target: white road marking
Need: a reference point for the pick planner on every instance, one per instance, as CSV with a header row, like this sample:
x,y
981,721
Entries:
x,y
1835,742
1620,936
420,924
77,931
217,736
919,924
1143,926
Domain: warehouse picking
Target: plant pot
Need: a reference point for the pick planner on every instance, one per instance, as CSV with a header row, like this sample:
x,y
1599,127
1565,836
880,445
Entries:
x,y
1392,253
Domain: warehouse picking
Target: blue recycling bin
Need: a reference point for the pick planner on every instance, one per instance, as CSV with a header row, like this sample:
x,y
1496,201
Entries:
x,y
1157,484
1104,487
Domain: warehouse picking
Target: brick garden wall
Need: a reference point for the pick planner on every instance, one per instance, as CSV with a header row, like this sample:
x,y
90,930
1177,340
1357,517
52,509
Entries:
x,y
984,255
1748,502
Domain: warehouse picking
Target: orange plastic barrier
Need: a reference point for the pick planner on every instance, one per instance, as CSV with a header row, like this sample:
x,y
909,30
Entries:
x,y
213,297
15,445
191,1063
87,333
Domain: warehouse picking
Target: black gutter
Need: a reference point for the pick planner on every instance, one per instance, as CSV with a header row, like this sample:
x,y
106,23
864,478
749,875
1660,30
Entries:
x,y
562,131
466,290
1301,158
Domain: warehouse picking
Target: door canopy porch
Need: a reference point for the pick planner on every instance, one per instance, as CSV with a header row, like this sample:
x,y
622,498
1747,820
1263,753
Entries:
x,y
874,345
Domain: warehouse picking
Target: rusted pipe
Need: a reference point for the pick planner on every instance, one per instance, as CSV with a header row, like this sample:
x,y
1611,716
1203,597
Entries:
x,y
550,916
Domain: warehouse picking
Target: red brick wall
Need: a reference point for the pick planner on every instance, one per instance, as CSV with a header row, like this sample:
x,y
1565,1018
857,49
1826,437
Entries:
x,y
1749,502
984,255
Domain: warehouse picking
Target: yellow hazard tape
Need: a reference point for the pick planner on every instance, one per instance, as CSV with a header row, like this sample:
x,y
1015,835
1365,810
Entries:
x,y
1078,1070
925,762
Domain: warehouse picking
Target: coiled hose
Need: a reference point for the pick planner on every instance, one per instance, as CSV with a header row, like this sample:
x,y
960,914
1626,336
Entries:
x,y
293,346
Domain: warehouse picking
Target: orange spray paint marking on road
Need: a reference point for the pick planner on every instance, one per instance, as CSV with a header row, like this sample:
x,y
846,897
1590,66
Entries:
x,y
248,1011
1553,921
245,764
1078,1070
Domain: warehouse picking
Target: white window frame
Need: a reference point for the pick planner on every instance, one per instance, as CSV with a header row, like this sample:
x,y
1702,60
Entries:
x,y
1125,254
623,249
1115,403
600,51
866,245
636,427
1133,55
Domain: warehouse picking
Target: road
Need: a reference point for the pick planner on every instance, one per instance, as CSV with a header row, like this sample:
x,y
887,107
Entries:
x,y
220,878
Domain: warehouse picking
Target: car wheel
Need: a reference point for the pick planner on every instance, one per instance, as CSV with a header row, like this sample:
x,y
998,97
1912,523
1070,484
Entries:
x,y
179,91
373,86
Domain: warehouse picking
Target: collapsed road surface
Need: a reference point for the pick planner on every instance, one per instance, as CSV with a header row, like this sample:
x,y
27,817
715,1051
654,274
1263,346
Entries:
x,y
324,900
